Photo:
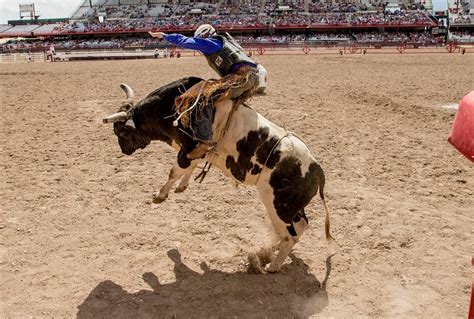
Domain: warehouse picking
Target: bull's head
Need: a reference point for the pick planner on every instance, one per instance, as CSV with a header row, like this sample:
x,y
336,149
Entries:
x,y
130,139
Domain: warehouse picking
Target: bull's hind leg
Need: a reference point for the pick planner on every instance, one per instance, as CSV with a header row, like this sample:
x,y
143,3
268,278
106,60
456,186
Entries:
x,y
290,235
176,173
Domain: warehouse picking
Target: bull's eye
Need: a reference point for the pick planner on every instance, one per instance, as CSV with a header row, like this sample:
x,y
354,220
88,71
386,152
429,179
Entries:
x,y
126,107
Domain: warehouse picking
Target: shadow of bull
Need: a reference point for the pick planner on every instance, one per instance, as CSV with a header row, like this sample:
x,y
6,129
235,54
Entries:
x,y
292,293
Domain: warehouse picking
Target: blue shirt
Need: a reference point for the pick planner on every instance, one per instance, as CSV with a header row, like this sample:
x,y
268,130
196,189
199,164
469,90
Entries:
x,y
206,46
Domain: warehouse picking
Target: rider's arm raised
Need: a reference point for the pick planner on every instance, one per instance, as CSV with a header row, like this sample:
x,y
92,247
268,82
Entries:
x,y
206,46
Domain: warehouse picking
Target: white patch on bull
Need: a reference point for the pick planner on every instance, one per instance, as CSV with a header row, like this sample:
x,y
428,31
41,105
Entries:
x,y
301,152
267,197
237,130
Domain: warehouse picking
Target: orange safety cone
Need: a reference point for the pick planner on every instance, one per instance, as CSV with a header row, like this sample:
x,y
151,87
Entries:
x,y
462,131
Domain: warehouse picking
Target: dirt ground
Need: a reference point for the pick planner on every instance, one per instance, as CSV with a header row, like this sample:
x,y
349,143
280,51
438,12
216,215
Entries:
x,y
80,236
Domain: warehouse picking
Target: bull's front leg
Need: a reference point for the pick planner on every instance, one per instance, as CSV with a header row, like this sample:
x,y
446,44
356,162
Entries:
x,y
179,169
183,184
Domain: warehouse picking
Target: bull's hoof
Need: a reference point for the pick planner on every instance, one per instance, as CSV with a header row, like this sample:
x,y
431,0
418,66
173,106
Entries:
x,y
272,270
180,189
157,199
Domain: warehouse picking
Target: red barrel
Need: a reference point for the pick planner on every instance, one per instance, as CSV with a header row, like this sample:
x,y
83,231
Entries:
x,y
462,132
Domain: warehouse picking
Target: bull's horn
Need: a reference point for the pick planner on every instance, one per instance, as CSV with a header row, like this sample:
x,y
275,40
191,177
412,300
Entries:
x,y
117,117
128,91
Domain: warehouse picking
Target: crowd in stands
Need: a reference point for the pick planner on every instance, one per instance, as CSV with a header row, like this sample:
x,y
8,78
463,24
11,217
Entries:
x,y
359,18
322,7
232,13
463,36
272,8
279,39
268,16
422,38
461,19
79,44
234,7
335,6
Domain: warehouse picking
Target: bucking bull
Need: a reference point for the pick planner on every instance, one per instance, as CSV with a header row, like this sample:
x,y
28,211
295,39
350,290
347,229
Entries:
x,y
253,151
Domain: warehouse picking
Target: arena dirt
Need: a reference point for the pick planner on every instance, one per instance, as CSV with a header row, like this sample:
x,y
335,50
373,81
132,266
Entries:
x,y
80,236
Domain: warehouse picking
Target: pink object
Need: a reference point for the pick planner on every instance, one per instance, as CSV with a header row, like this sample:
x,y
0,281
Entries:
x,y
462,131
471,308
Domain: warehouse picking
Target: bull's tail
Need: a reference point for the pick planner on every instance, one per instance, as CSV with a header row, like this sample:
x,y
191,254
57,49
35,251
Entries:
x,y
327,224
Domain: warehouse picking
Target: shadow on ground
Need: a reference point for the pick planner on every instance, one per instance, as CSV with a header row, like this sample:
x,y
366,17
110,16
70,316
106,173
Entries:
x,y
292,293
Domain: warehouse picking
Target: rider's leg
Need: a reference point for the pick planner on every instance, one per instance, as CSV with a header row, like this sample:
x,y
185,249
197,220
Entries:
x,y
201,123
201,120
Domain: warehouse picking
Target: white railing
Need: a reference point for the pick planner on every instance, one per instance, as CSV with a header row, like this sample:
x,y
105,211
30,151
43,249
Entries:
x,y
21,57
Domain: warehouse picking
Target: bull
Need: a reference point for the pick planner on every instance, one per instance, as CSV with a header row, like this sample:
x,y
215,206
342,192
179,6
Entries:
x,y
251,150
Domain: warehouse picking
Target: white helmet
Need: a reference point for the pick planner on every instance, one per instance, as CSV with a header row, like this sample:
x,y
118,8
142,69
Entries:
x,y
205,31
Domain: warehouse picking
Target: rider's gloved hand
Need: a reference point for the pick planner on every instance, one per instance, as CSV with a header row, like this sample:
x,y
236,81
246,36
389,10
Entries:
x,y
159,35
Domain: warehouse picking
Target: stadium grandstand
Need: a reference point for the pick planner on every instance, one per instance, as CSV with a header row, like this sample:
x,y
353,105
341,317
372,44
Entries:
x,y
124,24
